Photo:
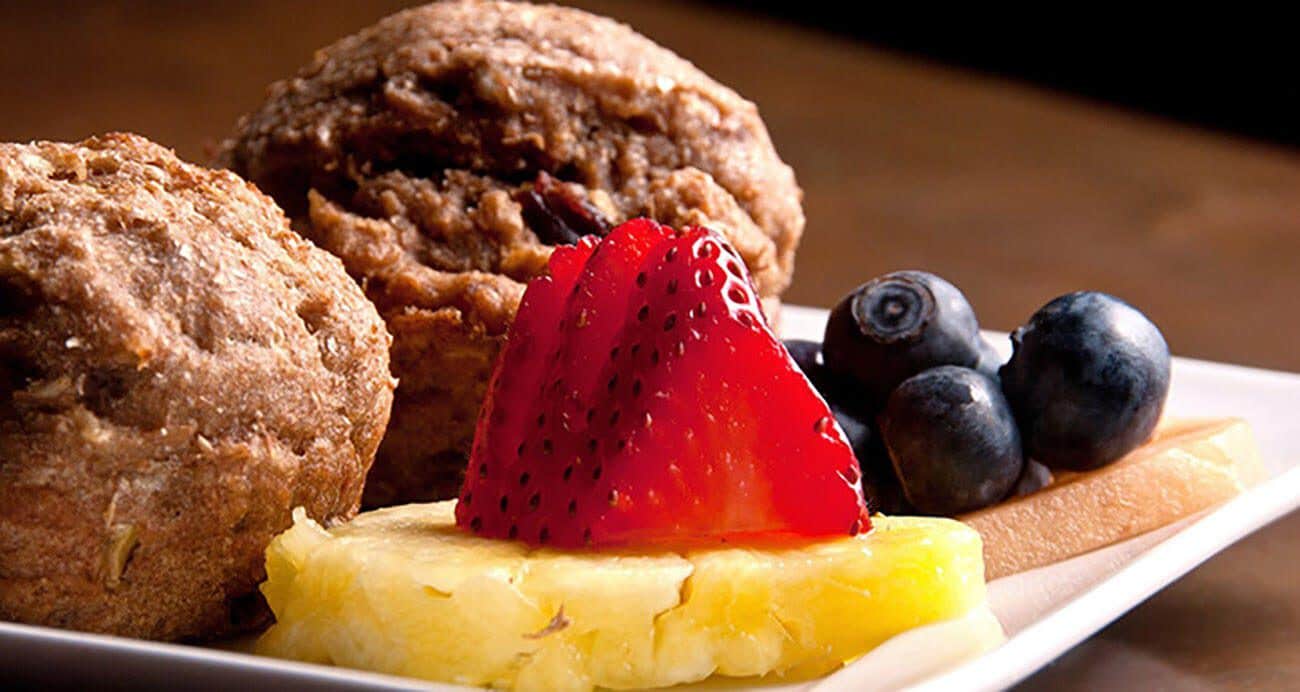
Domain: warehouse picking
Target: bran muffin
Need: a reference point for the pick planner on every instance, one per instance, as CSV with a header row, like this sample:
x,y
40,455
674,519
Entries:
x,y
178,370
442,152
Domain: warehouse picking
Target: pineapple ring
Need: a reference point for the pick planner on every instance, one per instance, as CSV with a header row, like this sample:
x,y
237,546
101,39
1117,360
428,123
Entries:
x,y
403,591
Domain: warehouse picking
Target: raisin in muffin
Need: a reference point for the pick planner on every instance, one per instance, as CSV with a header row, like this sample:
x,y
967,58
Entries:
x,y
178,371
442,152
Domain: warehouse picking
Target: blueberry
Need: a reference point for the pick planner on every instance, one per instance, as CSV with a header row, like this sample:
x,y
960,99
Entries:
x,y
990,360
878,482
897,325
1035,477
806,354
884,494
1087,380
859,433
952,440
835,388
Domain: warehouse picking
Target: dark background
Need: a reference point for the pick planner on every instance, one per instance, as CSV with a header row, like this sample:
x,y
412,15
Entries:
x,y
1230,69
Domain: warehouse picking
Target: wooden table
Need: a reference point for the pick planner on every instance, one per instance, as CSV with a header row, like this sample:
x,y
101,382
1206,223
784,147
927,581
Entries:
x,y
1014,194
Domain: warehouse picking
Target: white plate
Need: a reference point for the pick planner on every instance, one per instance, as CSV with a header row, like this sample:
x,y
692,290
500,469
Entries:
x,y
1044,611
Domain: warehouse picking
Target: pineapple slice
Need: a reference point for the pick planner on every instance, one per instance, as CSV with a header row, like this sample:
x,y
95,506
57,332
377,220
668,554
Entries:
x,y
403,591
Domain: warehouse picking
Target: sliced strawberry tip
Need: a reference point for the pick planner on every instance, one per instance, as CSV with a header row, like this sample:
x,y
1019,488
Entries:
x,y
643,400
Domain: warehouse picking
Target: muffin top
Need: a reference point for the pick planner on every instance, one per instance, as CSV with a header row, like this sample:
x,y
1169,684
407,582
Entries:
x,y
120,262
428,113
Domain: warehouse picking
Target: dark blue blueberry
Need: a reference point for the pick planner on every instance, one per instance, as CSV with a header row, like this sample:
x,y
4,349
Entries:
x,y
878,482
1035,477
862,438
880,485
859,433
884,494
807,355
990,360
1087,380
896,326
835,388
952,440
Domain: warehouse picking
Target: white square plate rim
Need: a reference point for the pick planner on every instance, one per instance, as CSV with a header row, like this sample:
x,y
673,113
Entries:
x,y
1147,564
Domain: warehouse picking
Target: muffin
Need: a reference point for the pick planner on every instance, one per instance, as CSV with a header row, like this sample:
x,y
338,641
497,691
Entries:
x,y
442,152
178,371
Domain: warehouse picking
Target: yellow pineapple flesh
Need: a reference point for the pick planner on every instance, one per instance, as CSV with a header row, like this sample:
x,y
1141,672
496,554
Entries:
x,y
403,591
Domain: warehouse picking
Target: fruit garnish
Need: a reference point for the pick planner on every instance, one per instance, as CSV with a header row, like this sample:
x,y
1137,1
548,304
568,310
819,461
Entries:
x,y
953,440
896,326
404,591
1085,385
1087,380
642,400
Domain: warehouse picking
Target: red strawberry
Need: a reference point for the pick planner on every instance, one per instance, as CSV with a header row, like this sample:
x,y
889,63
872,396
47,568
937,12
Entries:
x,y
642,400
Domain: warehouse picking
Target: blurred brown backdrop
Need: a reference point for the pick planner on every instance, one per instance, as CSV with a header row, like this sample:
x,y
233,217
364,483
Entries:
x,y
1015,195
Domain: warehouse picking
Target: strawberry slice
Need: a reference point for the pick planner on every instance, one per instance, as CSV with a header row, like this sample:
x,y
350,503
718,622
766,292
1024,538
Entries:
x,y
641,400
